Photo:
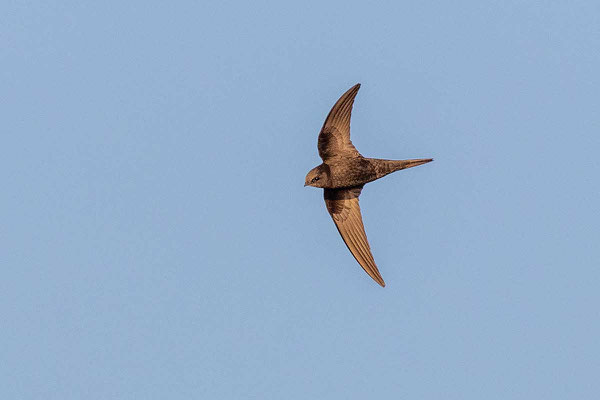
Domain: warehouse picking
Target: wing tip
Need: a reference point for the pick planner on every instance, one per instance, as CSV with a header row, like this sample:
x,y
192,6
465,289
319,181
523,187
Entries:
x,y
379,280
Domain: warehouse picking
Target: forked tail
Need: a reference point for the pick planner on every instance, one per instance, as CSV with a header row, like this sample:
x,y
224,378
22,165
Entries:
x,y
384,167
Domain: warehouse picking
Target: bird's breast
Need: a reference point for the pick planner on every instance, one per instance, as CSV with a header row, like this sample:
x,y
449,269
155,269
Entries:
x,y
351,173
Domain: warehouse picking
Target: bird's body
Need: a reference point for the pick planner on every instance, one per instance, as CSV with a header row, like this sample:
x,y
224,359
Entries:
x,y
343,174
358,171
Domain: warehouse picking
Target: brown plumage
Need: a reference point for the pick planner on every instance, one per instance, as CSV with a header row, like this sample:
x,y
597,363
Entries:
x,y
343,174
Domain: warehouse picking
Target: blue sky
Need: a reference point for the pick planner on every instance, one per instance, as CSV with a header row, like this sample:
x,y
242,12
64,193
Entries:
x,y
157,240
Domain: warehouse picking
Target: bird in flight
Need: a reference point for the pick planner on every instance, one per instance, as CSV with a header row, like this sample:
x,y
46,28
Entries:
x,y
343,174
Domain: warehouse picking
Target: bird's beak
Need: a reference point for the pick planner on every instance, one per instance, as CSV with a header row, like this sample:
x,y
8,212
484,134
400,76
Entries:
x,y
413,163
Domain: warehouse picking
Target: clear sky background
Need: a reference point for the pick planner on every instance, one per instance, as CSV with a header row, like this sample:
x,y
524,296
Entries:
x,y
157,241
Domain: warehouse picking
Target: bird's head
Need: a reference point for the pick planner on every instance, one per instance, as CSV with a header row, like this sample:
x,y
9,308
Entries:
x,y
317,177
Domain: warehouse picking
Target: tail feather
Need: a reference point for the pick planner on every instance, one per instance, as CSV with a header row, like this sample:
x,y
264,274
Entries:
x,y
385,167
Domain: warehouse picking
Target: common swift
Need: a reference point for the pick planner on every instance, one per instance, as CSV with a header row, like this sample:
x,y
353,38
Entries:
x,y
343,174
